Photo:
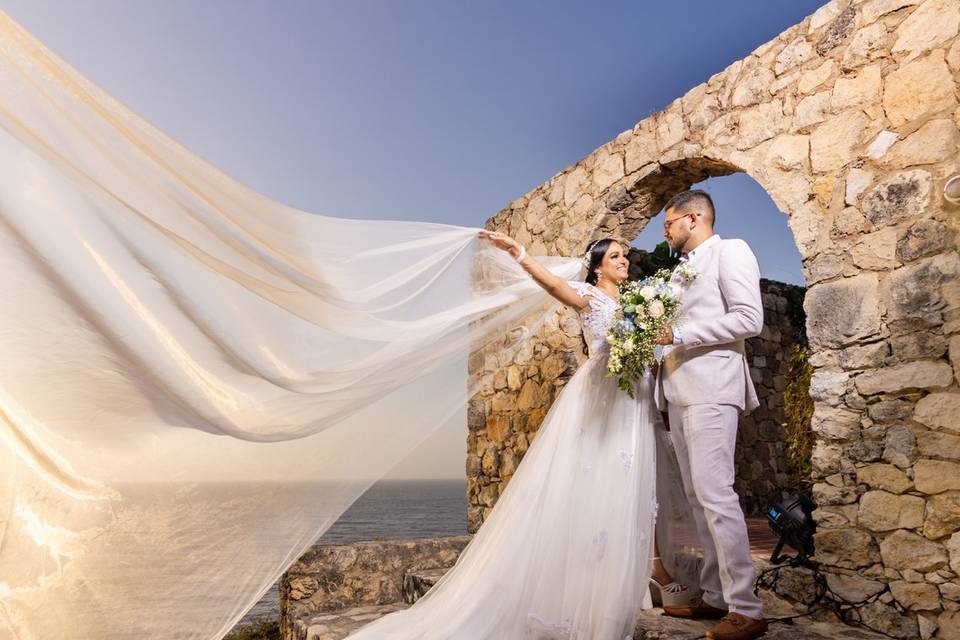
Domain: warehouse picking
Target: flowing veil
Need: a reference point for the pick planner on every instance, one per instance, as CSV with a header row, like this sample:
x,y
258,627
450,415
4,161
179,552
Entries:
x,y
196,381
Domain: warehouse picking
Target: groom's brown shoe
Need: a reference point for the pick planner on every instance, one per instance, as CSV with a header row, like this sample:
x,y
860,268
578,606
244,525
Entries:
x,y
736,626
696,608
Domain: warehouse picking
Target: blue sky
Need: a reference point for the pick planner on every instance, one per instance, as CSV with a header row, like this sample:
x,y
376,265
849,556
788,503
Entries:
x,y
441,110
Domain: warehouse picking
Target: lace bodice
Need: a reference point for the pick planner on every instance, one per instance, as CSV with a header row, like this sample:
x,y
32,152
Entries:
x,y
596,318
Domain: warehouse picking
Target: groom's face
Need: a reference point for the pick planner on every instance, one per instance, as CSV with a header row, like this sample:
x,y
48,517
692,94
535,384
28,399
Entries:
x,y
676,228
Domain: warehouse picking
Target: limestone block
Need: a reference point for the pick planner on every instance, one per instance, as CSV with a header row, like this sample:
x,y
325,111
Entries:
x,y
923,238
916,596
810,80
881,144
942,445
825,458
876,250
857,181
900,197
890,410
920,345
760,123
919,289
867,44
835,423
811,110
888,620
953,546
823,16
918,88
900,446
789,152
943,515
866,356
670,127
936,141
843,311
949,624
838,30
849,548
795,53
833,143
877,8
884,476
753,87
933,23
853,588
641,150
829,386
863,89
906,550
910,375
608,169
936,476
574,185
882,511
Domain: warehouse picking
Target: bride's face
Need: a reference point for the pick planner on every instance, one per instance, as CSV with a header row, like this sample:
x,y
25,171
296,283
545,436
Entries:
x,y
615,264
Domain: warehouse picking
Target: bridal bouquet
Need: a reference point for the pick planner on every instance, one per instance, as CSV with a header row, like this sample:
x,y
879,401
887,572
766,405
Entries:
x,y
647,307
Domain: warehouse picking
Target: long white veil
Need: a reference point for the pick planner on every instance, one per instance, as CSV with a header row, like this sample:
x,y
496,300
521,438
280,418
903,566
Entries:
x,y
196,381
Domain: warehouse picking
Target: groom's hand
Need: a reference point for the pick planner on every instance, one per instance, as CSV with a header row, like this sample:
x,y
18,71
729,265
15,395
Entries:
x,y
666,336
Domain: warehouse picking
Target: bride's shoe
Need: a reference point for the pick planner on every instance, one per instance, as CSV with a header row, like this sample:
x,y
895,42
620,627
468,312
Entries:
x,y
669,595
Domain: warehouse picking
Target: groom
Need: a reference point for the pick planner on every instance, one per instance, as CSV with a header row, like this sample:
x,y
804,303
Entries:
x,y
703,385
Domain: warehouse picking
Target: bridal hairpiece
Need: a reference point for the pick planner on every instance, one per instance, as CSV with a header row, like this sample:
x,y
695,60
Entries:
x,y
586,254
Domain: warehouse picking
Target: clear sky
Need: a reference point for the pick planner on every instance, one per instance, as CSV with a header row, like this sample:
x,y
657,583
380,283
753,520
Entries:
x,y
439,110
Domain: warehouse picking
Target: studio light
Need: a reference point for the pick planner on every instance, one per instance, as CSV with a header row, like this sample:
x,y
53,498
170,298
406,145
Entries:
x,y
790,516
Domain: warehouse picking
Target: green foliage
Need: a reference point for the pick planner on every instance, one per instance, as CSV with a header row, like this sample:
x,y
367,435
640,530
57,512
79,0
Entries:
x,y
664,257
644,264
798,412
261,629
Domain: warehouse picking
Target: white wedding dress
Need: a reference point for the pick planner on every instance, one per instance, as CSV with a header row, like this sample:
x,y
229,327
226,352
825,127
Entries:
x,y
566,551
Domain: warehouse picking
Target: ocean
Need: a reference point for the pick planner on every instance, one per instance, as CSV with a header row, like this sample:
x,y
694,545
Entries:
x,y
390,509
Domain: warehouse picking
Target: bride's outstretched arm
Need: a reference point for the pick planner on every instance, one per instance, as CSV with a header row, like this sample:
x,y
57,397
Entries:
x,y
555,286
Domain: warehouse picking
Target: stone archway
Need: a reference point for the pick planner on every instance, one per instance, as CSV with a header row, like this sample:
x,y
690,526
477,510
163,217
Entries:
x,y
850,121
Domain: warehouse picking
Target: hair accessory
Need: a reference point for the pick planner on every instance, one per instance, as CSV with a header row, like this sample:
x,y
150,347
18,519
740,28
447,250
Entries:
x,y
586,255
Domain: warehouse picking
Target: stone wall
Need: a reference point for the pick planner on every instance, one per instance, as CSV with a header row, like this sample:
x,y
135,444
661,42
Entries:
x,y
337,577
761,450
850,121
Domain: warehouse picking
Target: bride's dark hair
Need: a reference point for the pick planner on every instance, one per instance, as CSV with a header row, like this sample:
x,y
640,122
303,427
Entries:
x,y
594,254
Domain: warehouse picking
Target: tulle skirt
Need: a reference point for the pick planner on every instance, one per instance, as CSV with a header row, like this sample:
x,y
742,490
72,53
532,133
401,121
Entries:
x,y
566,552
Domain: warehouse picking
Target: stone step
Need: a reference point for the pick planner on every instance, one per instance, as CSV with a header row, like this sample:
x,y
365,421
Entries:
x,y
418,582
336,625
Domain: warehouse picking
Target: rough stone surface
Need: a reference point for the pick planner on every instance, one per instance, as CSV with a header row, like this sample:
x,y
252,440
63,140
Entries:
x,y
882,511
884,476
933,23
940,410
912,375
906,550
903,196
842,312
943,515
922,87
936,476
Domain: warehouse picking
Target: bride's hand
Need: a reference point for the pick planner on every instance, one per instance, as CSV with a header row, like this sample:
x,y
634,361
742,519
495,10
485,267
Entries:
x,y
501,241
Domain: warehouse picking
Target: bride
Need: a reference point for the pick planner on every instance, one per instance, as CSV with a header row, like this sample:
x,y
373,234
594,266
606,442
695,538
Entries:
x,y
567,550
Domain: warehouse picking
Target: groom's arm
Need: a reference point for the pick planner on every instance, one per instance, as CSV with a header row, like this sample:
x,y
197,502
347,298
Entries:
x,y
739,280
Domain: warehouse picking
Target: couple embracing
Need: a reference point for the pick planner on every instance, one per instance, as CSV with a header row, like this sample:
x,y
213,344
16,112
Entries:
x,y
573,547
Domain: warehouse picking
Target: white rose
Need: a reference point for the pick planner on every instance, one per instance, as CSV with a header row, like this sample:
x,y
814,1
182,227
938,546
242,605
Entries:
x,y
647,292
656,309
675,290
